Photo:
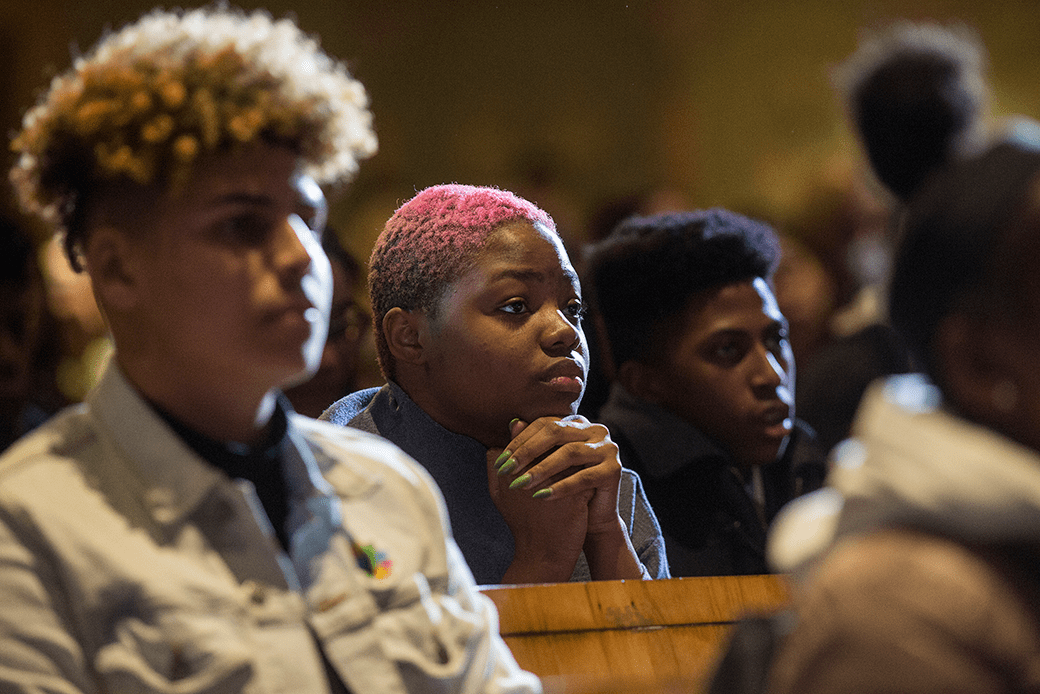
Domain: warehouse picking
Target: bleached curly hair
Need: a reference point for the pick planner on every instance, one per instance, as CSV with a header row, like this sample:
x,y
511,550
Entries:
x,y
148,100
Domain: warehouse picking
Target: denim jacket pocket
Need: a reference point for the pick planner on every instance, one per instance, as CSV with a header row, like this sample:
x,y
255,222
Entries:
x,y
182,655
256,644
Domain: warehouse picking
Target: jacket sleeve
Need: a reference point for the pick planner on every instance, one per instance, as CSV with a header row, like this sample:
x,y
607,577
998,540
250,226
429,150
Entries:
x,y
643,527
442,635
492,669
896,613
38,652
496,671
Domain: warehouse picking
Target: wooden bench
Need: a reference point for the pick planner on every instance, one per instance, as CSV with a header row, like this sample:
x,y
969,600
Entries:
x,y
628,636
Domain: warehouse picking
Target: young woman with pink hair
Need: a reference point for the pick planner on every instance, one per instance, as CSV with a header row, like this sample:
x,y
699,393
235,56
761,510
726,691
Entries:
x,y
477,314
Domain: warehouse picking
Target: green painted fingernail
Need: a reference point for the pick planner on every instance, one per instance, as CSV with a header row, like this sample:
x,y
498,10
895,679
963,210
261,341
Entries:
x,y
542,493
512,422
507,467
520,481
503,457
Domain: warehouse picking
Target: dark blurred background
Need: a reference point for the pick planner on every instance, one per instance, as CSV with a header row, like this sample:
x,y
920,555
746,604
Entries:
x,y
583,104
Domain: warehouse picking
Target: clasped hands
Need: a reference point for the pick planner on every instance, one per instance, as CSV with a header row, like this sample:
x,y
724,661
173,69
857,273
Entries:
x,y
556,484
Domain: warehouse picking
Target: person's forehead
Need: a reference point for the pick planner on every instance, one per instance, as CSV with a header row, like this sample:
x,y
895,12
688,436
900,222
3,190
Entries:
x,y
769,302
523,244
254,170
739,305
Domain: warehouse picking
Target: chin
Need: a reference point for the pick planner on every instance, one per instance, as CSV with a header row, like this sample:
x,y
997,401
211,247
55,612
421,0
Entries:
x,y
301,371
562,411
765,457
294,380
565,404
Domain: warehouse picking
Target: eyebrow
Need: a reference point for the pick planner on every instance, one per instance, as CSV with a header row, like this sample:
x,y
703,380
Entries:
x,y
773,324
533,276
263,200
240,198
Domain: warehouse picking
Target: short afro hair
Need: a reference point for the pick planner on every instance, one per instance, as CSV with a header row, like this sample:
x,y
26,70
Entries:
x,y
916,93
430,242
149,99
642,276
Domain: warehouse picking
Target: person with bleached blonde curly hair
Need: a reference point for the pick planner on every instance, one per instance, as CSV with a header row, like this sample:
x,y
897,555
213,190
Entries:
x,y
152,99
183,529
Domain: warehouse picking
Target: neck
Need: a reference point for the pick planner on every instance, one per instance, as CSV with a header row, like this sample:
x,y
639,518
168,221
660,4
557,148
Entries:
x,y
211,407
428,401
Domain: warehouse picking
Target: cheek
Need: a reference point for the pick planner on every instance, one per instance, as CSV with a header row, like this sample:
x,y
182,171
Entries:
x,y
719,396
501,359
486,346
788,365
461,357
695,375
583,349
204,272
319,283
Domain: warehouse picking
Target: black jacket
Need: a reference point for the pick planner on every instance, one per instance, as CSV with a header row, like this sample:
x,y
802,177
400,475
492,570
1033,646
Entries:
x,y
711,524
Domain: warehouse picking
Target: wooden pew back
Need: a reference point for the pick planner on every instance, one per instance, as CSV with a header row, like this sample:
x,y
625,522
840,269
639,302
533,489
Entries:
x,y
620,636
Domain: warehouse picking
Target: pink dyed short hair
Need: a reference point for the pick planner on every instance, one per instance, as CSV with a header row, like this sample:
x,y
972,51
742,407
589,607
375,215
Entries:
x,y
430,242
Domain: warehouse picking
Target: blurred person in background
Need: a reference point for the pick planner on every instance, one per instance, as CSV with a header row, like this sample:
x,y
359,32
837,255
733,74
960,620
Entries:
x,y
29,350
916,568
340,371
702,405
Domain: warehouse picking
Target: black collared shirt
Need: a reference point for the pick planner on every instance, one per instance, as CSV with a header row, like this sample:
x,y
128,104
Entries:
x,y
260,464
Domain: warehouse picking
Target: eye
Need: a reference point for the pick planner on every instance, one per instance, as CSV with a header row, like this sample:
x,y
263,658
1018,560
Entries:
x,y
727,351
576,310
776,340
514,307
246,228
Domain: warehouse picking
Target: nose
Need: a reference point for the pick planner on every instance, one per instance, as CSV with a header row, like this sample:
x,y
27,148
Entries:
x,y
292,250
768,372
561,333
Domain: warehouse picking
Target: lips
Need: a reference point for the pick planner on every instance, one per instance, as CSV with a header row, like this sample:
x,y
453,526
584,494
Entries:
x,y
566,376
776,420
295,321
302,308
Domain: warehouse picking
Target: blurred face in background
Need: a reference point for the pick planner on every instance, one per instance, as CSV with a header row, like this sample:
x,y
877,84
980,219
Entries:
x,y
338,373
21,316
728,370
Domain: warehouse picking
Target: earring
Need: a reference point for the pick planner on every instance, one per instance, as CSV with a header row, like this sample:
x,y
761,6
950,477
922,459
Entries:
x,y
1005,396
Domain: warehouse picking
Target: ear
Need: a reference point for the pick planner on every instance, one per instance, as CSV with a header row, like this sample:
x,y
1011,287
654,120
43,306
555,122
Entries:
x,y
642,380
112,264
405,334
975,366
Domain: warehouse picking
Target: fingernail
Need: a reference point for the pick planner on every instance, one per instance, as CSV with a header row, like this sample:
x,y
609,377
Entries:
x,y
542,493
520,481
512,422
503,457
507,467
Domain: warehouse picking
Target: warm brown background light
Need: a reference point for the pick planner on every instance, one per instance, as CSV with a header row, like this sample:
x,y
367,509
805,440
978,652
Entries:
x,y
571,102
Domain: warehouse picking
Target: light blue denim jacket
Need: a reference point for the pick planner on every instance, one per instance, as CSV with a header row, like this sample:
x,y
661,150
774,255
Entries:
x,y
128,564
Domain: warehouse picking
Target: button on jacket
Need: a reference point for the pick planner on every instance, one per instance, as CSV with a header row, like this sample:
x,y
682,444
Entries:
x,y
128,564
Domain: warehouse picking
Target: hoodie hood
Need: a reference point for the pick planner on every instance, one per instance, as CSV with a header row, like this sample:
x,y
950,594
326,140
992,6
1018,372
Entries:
x,y
910,463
